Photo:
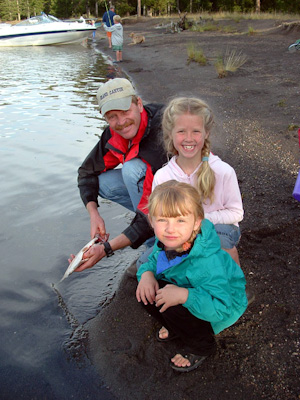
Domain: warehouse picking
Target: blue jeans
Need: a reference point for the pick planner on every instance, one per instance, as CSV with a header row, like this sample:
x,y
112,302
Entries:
x,y
229,235
124,185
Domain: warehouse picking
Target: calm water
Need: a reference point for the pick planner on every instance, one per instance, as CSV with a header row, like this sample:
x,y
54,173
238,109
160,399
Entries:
x,y
49,121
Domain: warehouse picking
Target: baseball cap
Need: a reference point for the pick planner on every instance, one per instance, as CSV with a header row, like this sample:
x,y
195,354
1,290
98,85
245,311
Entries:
x,y
115,94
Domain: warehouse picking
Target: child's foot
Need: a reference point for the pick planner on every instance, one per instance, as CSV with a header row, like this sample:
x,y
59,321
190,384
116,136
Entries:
x,y
186,363
163,335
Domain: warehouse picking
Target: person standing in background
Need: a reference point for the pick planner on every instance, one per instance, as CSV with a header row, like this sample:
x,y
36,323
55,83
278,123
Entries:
x,y
108,21
117,37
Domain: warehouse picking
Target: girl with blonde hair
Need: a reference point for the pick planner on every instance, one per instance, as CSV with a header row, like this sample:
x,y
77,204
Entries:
x,y
189,284
187,123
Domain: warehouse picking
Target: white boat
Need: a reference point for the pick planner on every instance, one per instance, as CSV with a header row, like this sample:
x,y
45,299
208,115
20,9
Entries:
x,y
44,30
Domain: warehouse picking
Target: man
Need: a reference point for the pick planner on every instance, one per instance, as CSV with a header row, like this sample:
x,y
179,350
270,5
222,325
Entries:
x,y
108,21
133,138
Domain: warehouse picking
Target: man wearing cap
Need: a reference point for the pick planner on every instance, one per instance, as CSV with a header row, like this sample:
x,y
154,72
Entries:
x,y
133,138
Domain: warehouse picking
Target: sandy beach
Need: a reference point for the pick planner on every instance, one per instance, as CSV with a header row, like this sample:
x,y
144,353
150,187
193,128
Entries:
x,y
257,110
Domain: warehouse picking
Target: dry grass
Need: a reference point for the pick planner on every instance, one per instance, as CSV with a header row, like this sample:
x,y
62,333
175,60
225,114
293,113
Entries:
x,y
204,27
251,31
236,16
230,62
195,54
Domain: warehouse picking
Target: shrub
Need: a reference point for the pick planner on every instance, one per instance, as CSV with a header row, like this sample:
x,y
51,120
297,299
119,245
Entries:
x,y
233,60
230,62
204,26
228,29
251,31
196,54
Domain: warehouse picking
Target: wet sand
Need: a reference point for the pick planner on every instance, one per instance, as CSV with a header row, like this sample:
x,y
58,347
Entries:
x,y
257,110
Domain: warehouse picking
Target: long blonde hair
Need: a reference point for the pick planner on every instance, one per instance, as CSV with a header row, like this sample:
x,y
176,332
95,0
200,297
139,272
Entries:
x,y
191,105
172,199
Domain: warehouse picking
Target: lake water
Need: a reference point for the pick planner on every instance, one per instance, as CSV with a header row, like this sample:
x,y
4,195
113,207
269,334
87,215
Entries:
x,y
49,121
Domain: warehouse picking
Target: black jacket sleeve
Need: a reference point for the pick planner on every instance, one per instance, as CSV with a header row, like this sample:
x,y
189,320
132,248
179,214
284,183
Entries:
x,y
91,168
139,230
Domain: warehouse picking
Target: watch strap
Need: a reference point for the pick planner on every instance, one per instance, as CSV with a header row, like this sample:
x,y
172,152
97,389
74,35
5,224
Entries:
x,y
108,250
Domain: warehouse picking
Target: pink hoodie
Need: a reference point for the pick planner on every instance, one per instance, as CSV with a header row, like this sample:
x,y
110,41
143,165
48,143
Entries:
x,y
227,207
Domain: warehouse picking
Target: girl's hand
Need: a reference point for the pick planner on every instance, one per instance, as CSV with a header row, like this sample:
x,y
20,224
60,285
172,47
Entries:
x,y
170,296
147,288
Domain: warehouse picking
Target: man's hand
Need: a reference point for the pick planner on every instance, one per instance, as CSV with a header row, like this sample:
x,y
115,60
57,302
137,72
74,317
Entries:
x,y
147,288
171,295
92,256
97,222
98,227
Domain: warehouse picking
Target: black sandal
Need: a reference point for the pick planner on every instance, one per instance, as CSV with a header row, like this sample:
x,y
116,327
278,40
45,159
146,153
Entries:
x,y
170,337
193,359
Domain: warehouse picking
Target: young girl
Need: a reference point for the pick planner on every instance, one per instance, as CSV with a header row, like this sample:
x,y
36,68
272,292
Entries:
x,y
191,286
187,123
116,36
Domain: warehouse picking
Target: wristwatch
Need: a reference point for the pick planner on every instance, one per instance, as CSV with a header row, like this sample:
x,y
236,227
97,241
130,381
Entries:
x,y
108,250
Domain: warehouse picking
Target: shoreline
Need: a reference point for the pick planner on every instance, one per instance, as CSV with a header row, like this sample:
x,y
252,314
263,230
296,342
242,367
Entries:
x,y
255,109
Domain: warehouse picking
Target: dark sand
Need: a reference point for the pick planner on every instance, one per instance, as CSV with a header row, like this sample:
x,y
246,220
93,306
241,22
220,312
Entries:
x,y
256,109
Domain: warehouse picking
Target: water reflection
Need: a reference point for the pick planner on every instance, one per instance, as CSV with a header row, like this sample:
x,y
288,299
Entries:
x,y
49,121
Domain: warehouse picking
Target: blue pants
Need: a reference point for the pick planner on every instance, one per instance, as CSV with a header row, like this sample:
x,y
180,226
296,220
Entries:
x,y
124,185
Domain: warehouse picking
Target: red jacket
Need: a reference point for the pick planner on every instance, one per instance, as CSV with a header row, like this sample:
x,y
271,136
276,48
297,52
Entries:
x,y
111,150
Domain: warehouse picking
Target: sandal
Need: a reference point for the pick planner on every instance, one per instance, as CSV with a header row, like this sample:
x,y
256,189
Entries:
x,y
193,359
170,337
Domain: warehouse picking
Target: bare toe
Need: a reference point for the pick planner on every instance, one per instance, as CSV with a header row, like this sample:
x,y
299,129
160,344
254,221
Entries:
x,y
163,333
180,361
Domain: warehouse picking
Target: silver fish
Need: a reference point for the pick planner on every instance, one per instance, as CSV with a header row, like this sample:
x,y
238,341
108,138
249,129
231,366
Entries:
x,y
77,261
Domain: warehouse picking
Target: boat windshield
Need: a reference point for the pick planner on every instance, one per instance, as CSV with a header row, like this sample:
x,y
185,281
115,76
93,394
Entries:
x,y
39,19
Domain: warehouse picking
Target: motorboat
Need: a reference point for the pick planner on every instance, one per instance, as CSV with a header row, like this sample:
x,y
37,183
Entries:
x,y
44,30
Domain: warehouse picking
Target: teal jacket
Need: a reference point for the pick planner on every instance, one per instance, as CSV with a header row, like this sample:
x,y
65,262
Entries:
x,y
216,284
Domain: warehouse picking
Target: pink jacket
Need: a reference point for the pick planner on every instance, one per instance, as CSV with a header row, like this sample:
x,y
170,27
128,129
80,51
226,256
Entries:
x,y
227,207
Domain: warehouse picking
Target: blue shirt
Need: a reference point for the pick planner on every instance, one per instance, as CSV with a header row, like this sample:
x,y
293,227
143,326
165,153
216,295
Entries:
x,y
108,18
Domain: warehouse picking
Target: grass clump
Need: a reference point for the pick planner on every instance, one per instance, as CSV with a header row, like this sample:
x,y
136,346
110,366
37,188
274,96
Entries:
x,y
282,103
220,67
228,29
204,27
237,16
251,31
292,127
230,62
195,54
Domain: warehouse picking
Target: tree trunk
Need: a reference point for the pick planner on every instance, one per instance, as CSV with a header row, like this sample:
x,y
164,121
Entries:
x,y
87,8
258,6
139,8
18,11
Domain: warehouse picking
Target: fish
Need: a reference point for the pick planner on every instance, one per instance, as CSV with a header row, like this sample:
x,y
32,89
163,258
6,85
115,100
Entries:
x,y
77,260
